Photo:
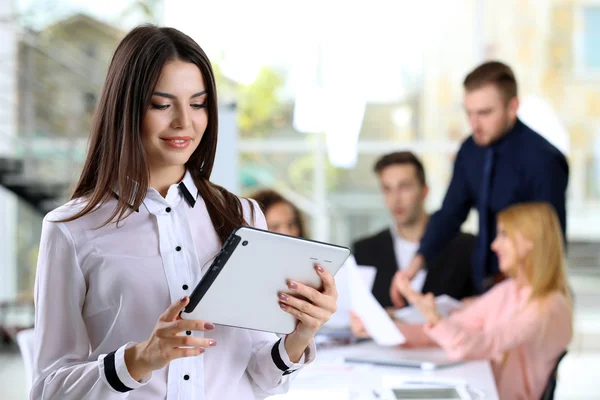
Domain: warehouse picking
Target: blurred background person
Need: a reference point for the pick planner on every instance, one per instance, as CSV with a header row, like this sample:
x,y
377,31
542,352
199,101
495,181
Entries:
x,y
522,325
281,214
503,162
404,187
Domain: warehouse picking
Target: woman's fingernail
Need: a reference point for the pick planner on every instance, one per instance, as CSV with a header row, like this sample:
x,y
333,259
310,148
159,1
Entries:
x,y
202,350
319,268
283,297
183,299
208,326
212,343
292,285
282,306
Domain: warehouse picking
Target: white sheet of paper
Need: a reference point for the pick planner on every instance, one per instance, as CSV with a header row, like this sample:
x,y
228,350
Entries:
x,y
367,273
376,320
411,315
341,318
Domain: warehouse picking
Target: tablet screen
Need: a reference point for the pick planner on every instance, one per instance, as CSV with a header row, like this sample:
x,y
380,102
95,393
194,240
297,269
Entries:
x,y
426,393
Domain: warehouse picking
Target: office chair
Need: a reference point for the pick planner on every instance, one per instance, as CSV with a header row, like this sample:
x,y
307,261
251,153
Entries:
x,y
551,387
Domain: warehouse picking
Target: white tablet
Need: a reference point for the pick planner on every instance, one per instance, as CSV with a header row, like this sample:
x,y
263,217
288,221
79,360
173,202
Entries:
x,y
397,387
429,392
241,287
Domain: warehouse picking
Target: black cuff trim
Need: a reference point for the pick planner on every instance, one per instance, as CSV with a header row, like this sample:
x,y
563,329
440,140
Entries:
x,y
111,374
289,372
277,357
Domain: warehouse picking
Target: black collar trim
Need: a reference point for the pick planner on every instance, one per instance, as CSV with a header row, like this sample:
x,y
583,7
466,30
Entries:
x,y
184,192
187,195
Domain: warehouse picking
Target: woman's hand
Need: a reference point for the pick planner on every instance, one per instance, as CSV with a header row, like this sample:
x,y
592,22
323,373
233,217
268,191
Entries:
x,y
312,311
167,343
424,303
417,263
357,327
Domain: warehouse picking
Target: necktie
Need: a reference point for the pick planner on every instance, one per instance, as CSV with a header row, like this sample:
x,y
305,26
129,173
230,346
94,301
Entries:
x,y
483,208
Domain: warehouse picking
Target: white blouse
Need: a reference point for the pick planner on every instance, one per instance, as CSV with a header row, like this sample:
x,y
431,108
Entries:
x,y
100,291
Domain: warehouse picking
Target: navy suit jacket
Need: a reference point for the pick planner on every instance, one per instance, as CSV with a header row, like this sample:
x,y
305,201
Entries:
x,y
526,168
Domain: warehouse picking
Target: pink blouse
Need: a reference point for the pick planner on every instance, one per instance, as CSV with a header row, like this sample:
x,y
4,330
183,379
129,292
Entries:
x,y
522,340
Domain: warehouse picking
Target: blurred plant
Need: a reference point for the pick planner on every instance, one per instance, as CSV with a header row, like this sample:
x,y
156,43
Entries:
x,y
258,104
260,113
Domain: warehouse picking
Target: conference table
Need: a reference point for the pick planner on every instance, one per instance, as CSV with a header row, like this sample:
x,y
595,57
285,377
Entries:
x,y
331,377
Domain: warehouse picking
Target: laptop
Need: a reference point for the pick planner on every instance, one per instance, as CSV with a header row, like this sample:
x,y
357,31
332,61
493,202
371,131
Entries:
x,y
425,359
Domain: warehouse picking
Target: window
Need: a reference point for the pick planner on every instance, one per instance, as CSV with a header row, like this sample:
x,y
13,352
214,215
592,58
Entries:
x,y
591,37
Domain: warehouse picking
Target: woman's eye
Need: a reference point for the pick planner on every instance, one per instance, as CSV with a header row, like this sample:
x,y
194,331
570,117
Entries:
x,y
199,106
160,106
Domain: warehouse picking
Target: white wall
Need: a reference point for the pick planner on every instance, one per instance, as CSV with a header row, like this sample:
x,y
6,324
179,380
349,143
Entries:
x,y
8,120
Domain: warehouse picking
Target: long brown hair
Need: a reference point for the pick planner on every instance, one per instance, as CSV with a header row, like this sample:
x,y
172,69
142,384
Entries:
x,y
544,265
116,159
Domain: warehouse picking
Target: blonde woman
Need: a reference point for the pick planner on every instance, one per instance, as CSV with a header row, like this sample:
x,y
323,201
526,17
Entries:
x,y
521,325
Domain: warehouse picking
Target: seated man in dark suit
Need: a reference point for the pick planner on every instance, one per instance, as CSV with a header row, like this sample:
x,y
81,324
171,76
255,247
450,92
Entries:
x,y
402,179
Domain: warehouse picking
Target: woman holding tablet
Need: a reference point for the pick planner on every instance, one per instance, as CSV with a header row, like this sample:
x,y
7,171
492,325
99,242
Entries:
x,y
117,262
521,325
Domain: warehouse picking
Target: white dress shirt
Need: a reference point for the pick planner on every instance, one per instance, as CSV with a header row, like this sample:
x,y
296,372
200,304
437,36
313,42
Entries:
x,y
100,291
405,251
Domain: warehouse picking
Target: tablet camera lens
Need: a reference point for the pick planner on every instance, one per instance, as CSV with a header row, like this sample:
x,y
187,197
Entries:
x,y
245,243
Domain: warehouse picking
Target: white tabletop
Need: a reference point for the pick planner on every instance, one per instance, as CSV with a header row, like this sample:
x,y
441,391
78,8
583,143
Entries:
x,y
329,377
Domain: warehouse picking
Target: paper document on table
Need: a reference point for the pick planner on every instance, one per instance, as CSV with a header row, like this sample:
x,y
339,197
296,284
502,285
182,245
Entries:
x,y
376,320
410,315
341,318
